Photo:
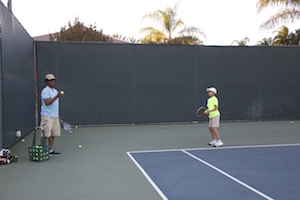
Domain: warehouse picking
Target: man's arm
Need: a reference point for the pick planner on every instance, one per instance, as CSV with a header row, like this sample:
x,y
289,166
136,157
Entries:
x,y
50,101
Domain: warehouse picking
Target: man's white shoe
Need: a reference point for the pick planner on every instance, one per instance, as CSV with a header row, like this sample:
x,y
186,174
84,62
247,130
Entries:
x,y
219,143
212,142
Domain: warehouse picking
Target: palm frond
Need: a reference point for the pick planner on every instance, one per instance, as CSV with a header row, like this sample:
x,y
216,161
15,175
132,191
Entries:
x,y
262,4
156,16
177,24
192,30
241,42
154,36
285,16
146,29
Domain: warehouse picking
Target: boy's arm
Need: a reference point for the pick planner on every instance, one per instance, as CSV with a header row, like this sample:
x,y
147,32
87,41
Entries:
x,y
207,111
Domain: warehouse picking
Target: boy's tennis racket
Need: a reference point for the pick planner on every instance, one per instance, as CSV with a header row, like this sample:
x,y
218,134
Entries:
x,y
200,111
67,126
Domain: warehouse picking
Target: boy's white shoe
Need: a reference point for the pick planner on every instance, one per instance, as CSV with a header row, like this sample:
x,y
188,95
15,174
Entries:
x,y
219,143
212,142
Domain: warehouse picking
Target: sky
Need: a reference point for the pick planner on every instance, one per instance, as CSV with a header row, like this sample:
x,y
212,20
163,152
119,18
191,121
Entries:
x,y
221,21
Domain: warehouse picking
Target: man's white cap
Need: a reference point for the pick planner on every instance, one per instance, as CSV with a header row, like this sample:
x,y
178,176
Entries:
x,y
212,89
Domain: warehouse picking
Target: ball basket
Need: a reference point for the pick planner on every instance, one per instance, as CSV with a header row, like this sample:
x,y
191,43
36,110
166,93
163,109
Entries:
x,y
39,153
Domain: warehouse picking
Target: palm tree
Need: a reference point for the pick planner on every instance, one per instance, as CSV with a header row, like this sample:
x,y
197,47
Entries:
x,y
295,37
290,12
282,37
118,36
170,24
154,36
265,42
133,40
190,36
242,42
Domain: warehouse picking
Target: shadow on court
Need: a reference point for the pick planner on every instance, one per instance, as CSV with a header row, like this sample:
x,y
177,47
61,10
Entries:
x,y
103,170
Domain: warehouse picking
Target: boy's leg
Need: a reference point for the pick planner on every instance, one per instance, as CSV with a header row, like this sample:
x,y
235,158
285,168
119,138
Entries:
x,y
213,142
215,132
215,123
219,143
211,129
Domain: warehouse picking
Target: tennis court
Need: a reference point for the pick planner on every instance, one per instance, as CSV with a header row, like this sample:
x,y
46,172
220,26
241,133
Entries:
x,y
249,172
102,169
108,84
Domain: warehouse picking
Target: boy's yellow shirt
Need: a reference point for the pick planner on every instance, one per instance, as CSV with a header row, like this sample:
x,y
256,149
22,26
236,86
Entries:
x,y
211,102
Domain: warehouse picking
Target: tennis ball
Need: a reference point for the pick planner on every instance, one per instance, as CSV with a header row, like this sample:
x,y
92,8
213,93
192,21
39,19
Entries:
x,y
292,122
23,140
76,126
79,146
61,92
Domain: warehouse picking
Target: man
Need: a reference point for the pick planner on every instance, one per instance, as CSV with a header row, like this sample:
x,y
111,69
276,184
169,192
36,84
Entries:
x,y
50,112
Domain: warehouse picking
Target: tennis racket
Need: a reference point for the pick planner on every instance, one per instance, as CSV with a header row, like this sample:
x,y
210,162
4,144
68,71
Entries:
x,y
67,126
200,111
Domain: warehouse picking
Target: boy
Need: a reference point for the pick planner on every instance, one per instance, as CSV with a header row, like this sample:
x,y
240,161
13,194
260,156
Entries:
x,y
214,116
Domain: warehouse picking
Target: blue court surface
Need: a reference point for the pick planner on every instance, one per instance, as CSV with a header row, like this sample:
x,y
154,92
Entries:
x,y
246,172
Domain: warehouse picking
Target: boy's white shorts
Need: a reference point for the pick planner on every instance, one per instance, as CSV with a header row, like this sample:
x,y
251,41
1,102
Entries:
x,y
214,122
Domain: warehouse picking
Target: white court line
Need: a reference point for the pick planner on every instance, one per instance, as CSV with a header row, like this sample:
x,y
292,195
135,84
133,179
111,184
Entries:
x,y
148,178
217,148
229,176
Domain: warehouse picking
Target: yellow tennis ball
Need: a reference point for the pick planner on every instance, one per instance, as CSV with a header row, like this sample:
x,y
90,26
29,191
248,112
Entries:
x,y
292,122
23,140
79,146
62,92
76,126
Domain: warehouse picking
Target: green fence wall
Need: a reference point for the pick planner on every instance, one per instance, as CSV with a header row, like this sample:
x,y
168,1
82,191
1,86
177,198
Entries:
x,y
124,84
120,84
17,80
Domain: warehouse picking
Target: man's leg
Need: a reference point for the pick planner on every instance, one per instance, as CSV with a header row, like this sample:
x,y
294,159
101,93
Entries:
x,y
47,125
42,141
54,133
51,142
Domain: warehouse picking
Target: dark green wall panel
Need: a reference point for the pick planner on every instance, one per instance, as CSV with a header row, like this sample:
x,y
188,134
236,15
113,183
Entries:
x,y
115,84
18,79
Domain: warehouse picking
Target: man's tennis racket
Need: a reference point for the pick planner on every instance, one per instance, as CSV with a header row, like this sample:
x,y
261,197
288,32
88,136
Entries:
x,y
67,126
200,111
